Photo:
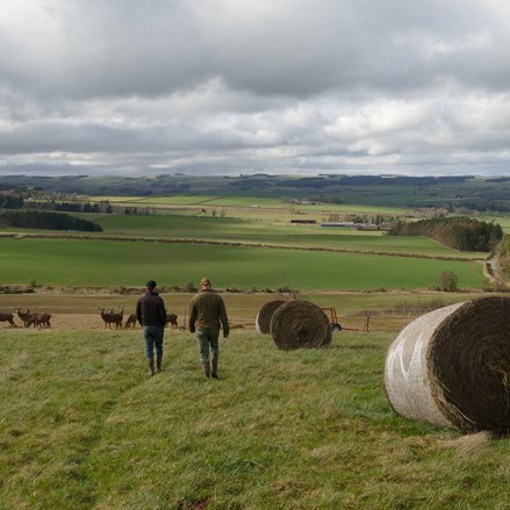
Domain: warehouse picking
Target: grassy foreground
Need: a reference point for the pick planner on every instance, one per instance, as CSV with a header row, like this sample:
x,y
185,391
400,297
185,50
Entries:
x,y
83,427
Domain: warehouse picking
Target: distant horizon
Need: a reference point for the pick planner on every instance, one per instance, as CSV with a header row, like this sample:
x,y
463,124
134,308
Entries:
x,y
152,175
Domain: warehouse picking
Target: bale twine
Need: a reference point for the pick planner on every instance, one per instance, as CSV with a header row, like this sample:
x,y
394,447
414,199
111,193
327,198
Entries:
x,y
298,324
263,319
451,367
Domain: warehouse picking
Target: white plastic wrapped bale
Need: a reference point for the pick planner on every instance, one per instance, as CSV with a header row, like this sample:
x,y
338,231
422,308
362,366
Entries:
x,y
451,367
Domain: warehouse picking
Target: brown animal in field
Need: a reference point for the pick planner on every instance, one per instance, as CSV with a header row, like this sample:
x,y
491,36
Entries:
x,y
36,319
8,317
43,319
171,318
131,321
111,317
24,316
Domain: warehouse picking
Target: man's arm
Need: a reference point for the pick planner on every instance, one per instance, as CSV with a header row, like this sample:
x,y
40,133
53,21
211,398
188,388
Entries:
x,y
224,319
139,313
192,314
162,312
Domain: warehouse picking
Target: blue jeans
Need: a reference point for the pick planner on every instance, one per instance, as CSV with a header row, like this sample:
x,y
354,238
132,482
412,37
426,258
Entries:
x,y
208,338
153,338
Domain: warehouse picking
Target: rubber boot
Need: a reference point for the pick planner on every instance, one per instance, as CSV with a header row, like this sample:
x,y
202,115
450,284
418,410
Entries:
x,y
206,369
159,360
215,365
150,364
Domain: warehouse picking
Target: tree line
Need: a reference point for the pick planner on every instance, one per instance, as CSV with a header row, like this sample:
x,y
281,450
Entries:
x,y
13,201
461,233
46,220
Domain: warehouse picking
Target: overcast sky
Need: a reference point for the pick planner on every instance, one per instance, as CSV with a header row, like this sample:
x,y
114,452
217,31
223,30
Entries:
x,y
140,87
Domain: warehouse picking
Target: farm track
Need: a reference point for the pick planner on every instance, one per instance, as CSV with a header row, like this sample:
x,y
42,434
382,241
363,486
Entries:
x,y
238,243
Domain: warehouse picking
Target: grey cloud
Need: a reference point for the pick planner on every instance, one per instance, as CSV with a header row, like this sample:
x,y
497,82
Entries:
x,y
228,86
296,48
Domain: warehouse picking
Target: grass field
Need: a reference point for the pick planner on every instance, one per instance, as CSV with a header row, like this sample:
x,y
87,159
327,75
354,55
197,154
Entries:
x,y
71,262
252,205
83,427
253,231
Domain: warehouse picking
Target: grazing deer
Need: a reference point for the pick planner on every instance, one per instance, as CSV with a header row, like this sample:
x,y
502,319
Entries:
x,y
8,317
171,318
131,321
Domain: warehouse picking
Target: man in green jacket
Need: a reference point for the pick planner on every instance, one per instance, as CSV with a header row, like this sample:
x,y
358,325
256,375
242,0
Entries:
x,y
207,314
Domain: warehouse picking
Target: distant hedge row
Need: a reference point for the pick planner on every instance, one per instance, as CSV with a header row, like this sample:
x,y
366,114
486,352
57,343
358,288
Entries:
x,y
47,221
460,233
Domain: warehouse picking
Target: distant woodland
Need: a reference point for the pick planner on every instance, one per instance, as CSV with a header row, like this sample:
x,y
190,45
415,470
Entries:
x,y
46,220
452,193
460,233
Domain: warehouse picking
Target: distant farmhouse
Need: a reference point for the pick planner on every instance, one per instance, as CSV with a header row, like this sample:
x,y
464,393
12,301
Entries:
x,y
304,222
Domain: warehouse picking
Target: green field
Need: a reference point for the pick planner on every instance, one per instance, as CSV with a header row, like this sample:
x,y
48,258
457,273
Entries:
x,y
254,204
244,252
83,427
246,207
259,232
77,262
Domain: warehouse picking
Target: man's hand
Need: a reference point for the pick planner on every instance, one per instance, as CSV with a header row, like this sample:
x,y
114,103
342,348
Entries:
x,y
225,334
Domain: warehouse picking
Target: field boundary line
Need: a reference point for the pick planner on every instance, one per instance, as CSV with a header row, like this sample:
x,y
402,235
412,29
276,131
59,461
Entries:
x,y
183,240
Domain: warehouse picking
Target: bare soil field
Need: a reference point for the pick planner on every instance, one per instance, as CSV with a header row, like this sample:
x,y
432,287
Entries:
x,y
93,322
79,309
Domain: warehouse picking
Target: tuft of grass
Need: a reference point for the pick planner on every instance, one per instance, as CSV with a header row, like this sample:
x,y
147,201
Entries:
x,y
84,427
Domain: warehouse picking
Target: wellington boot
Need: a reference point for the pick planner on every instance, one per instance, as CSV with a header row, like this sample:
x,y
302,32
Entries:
x,y
150,364
215,366
159,360
206,369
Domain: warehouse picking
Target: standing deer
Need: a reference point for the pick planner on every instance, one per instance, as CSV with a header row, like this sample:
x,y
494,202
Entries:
x,y
36,319
110,318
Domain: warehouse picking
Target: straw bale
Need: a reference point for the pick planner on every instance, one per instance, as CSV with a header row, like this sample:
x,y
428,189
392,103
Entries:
x,y
451,367
298,324
263,319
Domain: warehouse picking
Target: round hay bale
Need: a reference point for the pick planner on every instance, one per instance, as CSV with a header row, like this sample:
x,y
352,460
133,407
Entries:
x,y
451,367
298,324
263,319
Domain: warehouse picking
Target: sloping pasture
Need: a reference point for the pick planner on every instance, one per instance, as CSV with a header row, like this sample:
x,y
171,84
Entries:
x,y
95,263
246,207
253,231
84,427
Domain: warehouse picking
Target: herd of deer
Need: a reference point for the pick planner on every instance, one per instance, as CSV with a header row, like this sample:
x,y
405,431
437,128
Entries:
x,y
110,318
36,319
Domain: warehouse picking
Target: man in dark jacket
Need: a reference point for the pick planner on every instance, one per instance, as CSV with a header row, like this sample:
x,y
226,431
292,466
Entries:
x,y
151,314
206,312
